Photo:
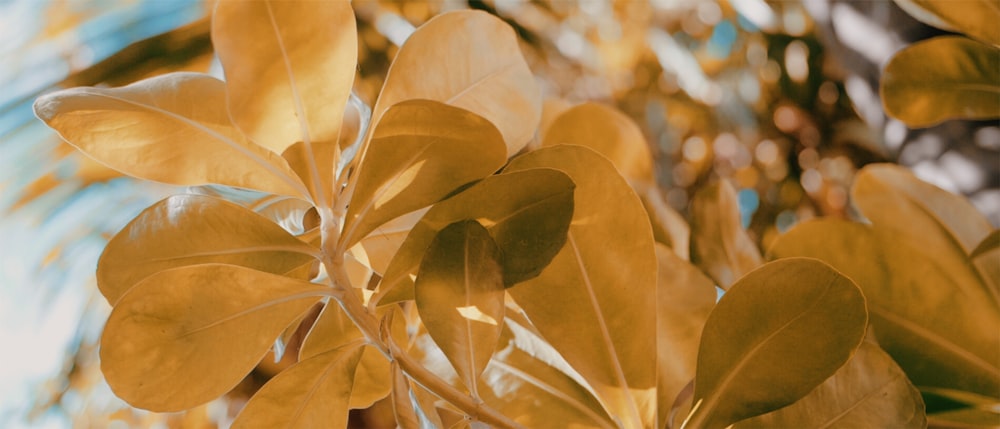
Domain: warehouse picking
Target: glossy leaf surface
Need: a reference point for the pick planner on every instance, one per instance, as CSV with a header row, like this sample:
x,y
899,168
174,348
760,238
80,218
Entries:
x,y
942,78
610,133
460,296
778,333
202,328
421,151
976,18
869,391
289,68
598,307
191,230
482,71
312,393
171,129
720,245
684,299
526,212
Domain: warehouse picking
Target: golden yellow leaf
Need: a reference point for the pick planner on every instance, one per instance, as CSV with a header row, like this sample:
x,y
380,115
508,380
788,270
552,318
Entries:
x,y
684,299
310,394
383,242
720,245
289,68
943,78
976,18
870,390
413,406
669,226
187,230
610,133
598,307
536,395
527,213
779,332
321,156
172,129
986,257
482,71
459,294
420,151
184,336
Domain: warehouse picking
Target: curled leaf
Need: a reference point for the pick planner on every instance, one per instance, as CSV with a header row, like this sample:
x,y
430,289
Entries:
x,y
942,78
173,342
191,230
596,302
420,151
289,68
171,129
460,296
976,18
482,71
720,245
779,332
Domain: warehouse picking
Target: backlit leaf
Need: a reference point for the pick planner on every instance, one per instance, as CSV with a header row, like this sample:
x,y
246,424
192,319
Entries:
x,y
383,242
289,68
172,128
402,406
310,394
942,78
986,256
460,296
610,133
720,245
321,156
421,151
193,229
989,244
333,330
596,302
684,299
869,391
669,226
526,212
482,71
185,336
976,18
779,332
537,395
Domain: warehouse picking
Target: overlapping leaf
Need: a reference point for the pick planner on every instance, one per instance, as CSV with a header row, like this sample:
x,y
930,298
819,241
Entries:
x,y
942,78
193,229
779,332
421,151
526,212
169,129
869,391
720,245
311,394
684,299
482,71
289,68
596,302
184,336
460,296
976,18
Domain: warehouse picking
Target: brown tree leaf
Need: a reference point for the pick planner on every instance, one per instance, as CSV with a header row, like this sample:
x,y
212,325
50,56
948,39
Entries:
x,y
779,332
610,133
420,151
947,77
310,394
598,307
289,68
459,293
526,212
184,336
870,390
171,129
685,298
187,230
976,18
720,245
482,71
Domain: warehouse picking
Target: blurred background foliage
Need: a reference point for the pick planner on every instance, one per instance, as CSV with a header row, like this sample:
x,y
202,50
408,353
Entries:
x,y
778,97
